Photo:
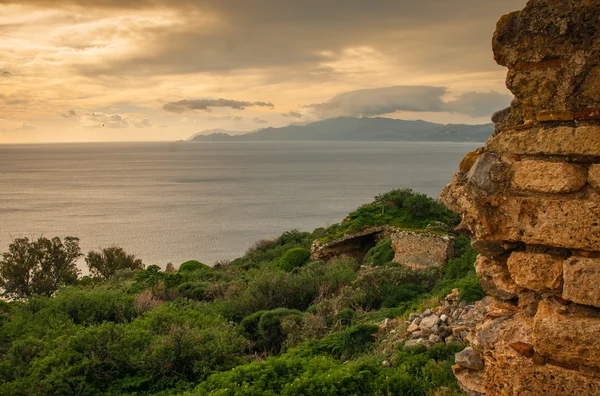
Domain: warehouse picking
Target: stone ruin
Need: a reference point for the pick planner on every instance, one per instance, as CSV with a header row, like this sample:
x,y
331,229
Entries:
x,y
530,200
415,249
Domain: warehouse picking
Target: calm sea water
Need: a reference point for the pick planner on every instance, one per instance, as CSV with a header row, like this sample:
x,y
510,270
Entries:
x,y
170,202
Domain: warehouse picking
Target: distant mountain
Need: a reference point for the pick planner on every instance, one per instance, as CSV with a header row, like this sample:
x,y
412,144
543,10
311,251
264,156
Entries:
x,y
361,129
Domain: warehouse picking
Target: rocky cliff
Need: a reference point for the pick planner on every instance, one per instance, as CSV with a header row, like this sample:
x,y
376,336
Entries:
x,y
530,200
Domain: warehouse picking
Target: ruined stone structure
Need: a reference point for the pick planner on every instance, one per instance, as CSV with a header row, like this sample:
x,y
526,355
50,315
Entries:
x,y
354,245
530,200
421,249
414,249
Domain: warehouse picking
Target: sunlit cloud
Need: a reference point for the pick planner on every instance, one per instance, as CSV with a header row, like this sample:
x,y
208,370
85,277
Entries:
x,y
112,121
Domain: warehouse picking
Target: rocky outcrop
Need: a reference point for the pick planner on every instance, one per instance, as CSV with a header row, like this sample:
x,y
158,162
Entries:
x,y
421,249
530,200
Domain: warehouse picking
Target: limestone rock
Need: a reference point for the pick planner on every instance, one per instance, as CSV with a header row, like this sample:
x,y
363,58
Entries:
x,y
414,343
470,358
594,176
421,249
548,177
582,280
549,140
536,271
530,201
471,382
429,322
567,337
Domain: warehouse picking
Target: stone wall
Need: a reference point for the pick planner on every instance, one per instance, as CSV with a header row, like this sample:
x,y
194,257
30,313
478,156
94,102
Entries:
x,y
530,200
421,249
354,245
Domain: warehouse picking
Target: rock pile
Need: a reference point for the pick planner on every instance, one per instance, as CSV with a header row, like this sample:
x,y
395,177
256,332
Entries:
x,y
450,322
531,202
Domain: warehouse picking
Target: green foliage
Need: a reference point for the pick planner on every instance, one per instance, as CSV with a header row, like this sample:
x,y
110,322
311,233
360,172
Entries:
x,y
192,265
294,258
272,335
380,254
347,343
38,267
460,273
296,373
314,326
87,307
402,208
394,284
111,260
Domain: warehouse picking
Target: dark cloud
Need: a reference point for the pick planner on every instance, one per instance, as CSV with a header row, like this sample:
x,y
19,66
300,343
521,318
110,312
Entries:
x,y
377,101
418,98
274,33
258,120
182,106
112,121
6,74
293,114
69,114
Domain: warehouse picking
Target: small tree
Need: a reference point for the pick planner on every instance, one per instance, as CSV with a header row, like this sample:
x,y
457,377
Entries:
x,y
110,260
38,267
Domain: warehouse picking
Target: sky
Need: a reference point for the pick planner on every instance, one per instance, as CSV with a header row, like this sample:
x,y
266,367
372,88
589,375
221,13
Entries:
x,y
144,70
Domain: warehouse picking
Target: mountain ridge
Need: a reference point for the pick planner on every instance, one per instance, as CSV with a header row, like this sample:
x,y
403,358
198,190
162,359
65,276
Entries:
x,y
360,129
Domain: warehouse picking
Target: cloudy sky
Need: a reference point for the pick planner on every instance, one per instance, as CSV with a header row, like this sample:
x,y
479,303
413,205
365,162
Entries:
x,y
104,70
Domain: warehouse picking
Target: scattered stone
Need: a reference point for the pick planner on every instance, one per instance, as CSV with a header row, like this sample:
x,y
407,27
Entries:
x,y
435,339
443,317
429,321
385,363
426,313
470,358
413,343
414,326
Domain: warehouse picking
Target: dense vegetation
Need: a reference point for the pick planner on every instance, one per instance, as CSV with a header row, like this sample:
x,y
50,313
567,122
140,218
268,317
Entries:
x,y
271,322
403,208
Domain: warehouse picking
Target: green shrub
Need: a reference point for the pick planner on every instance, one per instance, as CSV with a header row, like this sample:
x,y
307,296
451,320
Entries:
x,y
269,327
380,254
294,258
192,265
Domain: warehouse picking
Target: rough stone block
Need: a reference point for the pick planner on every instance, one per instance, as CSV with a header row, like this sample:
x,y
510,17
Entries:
x,y
567,337
536,271
521,377
421,250
571,224
495,278
594,176
555,116
565,141
582,281
548,177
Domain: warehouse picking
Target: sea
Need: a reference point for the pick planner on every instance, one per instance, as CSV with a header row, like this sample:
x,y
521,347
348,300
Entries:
x,y
208,201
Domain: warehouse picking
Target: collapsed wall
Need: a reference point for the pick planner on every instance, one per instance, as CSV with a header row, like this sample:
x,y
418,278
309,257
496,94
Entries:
x,y
530,200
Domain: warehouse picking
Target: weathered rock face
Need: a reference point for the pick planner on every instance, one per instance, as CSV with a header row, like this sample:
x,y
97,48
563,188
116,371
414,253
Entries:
x,y
421,249
530,200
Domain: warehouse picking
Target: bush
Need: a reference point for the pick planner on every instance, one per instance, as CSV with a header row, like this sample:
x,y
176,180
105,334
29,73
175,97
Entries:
x,y
192,265
380,254
294,258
